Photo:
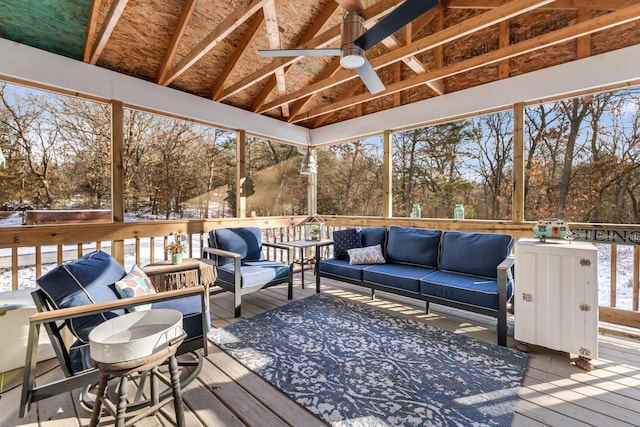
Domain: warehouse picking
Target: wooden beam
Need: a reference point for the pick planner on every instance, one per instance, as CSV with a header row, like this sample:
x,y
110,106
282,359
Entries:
x,y
332,34
91,32
618,316
583,48
273,36
503,41
558,5
178,32
317,25
242,47
115,12
261,98
476,23
517,198
226,27
593,25
351,5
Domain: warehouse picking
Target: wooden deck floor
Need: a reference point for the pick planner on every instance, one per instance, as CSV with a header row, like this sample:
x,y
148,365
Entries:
x,y
554,393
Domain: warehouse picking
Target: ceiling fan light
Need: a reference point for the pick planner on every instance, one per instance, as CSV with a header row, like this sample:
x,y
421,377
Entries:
x,y
352,57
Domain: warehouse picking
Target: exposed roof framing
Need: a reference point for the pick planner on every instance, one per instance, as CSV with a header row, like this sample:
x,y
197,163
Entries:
x,y
210,48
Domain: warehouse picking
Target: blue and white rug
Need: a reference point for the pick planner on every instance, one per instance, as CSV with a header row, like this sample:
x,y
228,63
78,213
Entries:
x,y
352,365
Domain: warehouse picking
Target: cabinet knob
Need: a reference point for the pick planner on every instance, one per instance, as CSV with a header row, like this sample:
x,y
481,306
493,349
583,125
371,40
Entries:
x,y
585,263
527,297
585,307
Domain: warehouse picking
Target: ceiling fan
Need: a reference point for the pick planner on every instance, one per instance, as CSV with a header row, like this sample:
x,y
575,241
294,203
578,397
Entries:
x,y
356,40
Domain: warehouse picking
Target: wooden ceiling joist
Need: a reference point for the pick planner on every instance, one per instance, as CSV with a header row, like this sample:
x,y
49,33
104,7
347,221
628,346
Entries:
x,y
376,11
238,52
580,29
181,27
109,24
454,32
558,5
233,21
317,25
91,29
273,36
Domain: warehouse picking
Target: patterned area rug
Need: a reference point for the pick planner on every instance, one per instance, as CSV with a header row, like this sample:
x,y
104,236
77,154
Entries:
x,y
351,365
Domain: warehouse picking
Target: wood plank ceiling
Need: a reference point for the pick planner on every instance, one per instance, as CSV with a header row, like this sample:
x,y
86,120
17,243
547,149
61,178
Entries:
x,y
209,48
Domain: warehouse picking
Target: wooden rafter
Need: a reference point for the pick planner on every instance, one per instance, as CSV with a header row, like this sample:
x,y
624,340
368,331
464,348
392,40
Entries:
x,y
503,41
242,47
580,29
476,23
183,21
91,29
584,43
273,36
374,12
115,12
226,27
317,25
558,5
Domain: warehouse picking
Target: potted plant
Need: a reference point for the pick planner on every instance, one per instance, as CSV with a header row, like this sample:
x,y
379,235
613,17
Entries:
x,y
176,249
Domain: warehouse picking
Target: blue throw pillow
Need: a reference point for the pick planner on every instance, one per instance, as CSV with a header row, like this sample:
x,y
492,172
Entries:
x,y
478,254
343,240
415,246
87,280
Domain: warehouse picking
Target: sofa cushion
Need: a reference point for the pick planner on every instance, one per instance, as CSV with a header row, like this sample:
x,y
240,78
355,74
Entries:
x,y
371,236
477,254
254,273
366,255
415,246
343,240
474,290
342,268
246,241
87,280
400,276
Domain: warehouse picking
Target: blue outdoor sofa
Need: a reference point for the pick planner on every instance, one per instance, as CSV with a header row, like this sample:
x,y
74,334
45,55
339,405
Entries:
x,y
465,270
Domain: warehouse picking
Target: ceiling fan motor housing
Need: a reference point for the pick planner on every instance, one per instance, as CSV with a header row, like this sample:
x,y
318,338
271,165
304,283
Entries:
x,y
352,56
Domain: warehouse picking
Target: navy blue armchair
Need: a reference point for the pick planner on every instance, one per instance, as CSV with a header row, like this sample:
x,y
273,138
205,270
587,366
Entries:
x,y
241,264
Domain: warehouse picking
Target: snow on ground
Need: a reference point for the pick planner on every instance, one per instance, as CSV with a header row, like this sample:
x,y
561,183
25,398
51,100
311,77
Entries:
x,y
26,274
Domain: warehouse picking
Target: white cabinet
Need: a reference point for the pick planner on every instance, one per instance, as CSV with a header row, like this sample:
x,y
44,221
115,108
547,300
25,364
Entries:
x,y
556,299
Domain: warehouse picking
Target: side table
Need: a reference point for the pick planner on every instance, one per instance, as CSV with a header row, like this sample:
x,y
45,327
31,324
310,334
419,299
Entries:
x,y
304,244
192,271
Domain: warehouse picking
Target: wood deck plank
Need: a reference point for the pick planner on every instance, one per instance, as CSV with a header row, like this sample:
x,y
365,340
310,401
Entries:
x,y
554,393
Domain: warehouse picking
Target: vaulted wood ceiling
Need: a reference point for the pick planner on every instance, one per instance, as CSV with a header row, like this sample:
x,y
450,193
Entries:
x,y
209,47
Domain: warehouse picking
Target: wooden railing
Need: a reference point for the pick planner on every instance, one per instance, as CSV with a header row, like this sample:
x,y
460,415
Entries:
x,y
70,242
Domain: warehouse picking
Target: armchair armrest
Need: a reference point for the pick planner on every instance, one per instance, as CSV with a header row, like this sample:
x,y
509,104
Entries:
x,y
507,263
219,252
72,312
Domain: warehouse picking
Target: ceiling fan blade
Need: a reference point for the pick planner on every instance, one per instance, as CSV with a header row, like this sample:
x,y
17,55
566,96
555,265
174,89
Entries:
x,y
370,78
267,53
398,18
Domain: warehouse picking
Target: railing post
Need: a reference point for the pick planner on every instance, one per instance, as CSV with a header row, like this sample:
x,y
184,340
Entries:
x,y
517,210
387,175
241,174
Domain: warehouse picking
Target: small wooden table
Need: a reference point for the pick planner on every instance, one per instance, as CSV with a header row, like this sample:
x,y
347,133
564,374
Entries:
x,y
304,244
192,271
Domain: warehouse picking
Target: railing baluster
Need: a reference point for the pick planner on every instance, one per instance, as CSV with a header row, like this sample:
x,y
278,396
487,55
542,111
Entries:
x,y
38,261
137,249
614,276
152,249
14,269
636,276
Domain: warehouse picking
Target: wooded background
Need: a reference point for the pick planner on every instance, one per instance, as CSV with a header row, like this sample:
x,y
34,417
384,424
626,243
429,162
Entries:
x,y
582,163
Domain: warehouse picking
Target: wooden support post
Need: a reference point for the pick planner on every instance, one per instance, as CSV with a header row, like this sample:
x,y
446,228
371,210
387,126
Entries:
x,y
117,174
312,191
241,174
518,163
387,179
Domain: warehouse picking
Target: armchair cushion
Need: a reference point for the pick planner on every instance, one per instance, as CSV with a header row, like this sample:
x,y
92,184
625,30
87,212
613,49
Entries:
x,y
254,272
87,280
246,241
